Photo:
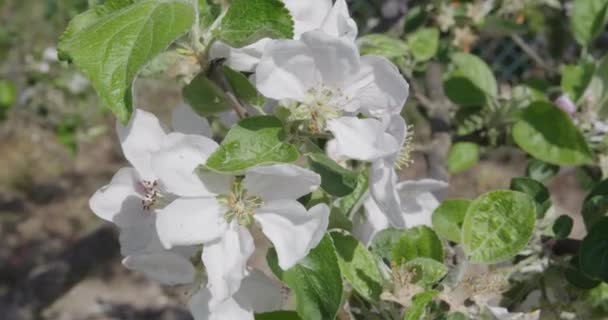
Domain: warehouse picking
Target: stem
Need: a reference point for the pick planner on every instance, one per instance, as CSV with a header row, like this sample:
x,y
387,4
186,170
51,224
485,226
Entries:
x,y
236,105
531,53
195,32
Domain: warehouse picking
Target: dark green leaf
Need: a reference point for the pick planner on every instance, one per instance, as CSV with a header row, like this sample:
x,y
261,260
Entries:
x,y
205,97
427,272
335,179
562,227
358,266
384,242
536,191
472,75
595,204
353,201
576,277
540,170
243,88
576,78
316,281
278,315
593,258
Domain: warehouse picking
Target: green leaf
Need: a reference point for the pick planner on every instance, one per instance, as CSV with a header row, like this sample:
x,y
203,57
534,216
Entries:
x,y
462,156
540,170
472,75
594,251
595,204
278,315
110,48
588,19
576,277
247,21
243,88
358,266
419,304
335,179
382,45
497,226
448,218
208,13
536,191
576,78
423,43
548,134
457,316
597,91
384,242
562,227
338,220
252,142
205,97
427,271
8,95
316,281
420,241
353,201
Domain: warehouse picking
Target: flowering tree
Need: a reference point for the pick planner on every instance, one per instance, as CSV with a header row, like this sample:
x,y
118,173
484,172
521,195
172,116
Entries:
x,y
290,147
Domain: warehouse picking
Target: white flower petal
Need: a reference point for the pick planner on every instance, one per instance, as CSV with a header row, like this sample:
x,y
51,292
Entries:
x,y
378,88
292,230
139,139
192,221
201,308
120,201
362,139
336,59
240,59
338,22
281,181
166,267
382,187
186,121
287,71
260,293
175,165
307,15
418,201
225,260
138,239
370,223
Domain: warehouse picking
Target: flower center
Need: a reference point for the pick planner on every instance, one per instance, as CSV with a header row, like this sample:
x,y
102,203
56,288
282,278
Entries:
x,y
239,204
150,194
404,158
321,105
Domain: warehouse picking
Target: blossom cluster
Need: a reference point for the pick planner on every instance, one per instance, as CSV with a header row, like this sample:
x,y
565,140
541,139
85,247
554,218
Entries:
x,y
176,220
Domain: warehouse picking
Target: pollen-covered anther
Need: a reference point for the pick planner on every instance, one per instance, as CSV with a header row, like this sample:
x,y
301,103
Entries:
x,y
150,194
240,205
404,158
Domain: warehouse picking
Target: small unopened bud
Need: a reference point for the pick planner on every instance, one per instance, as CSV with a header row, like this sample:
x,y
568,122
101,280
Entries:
x,y
565,104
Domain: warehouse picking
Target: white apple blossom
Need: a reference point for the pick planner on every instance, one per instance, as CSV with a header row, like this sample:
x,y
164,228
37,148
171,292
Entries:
x,y
133,194
307,15
326,84
417,201
257,294
218,210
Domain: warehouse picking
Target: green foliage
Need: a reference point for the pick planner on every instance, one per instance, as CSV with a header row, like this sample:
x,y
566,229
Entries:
x,y
497,226
448,218
352,201
540,170
557,141
471,82
335,179
536,191
588,19
419,305
205,97
594,250
253,141
595,204
316,281
562,227
247,21
417,242
576,277
278,315
111,45
243,88
576,78
8,95
339,220
462,156
598,88
423,43
427,272
358,266
382,45
384,242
